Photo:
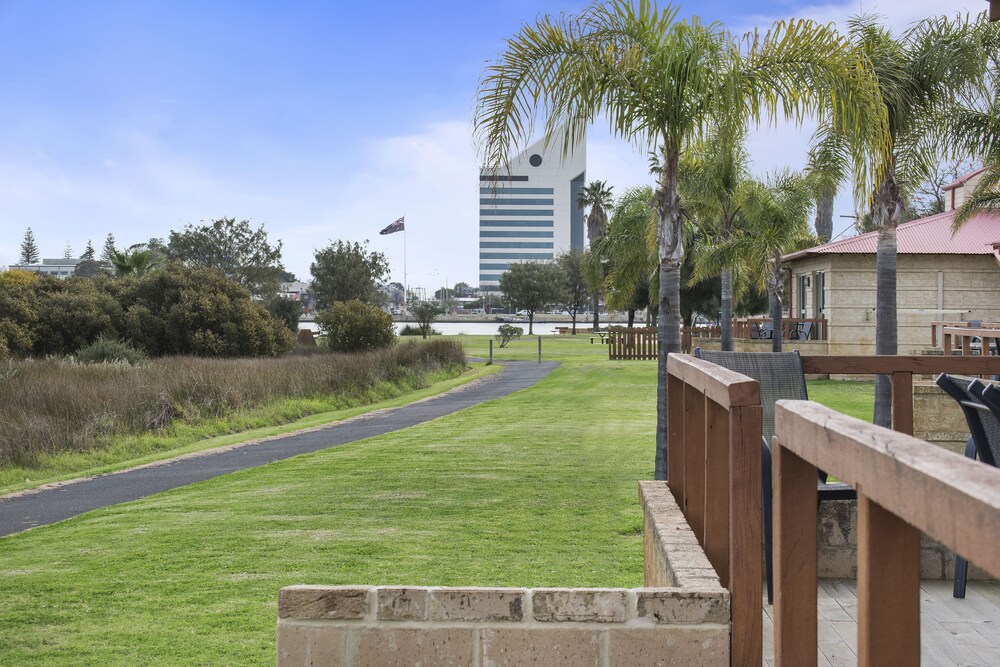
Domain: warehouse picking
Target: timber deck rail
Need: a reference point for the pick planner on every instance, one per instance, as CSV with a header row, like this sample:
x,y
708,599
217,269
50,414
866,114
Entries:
x,y
715,476
714,463
905,487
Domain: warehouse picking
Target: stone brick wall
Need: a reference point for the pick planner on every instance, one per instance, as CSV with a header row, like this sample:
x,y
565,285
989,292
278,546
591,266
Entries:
x,y
838,547
684,620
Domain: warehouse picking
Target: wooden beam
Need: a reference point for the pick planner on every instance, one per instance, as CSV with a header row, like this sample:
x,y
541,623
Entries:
x,y
995,10
917,364
888,588
795,569
725,387
745,535
952,499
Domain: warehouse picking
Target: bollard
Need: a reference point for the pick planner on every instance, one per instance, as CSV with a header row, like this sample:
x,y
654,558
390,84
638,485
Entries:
x,y
539,349
490,362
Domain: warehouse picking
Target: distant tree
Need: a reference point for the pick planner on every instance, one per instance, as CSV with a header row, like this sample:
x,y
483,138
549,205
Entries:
x,y
575,290
596,195
530,286
89,268
88,252
137,260
236,249
424,313
355,326
29,249
108,249
345,271
462,289
928,197
287,311
68,252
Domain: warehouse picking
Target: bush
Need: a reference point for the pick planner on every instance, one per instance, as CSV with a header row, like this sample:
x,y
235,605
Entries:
x,y
109,350
508,332
408,330
353,326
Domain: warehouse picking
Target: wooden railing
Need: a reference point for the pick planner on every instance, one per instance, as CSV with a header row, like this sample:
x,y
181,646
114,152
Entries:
x,y
962,337
714,465
941,324
905,487
632,343
715,476
750,327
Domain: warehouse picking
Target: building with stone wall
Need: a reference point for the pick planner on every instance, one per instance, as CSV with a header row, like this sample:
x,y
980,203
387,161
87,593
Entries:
x,y
528,211
940,276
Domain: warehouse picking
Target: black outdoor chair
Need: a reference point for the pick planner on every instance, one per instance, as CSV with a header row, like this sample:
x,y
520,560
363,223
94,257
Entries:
x,y
803,330
981,407
761,330
779,375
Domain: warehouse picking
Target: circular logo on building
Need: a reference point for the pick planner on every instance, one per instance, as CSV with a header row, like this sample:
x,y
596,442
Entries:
x,y
535,160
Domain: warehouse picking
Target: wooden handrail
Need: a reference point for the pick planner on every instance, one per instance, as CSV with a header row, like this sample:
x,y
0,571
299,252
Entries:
x,y
919,364
714,459
905,487
944,323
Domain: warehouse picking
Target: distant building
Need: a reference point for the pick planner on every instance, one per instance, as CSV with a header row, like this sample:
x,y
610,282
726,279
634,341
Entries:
x,y
298,291
528,211
940,276
61,267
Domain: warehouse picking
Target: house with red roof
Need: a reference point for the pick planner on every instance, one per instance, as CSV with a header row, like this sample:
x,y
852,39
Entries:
x,y
941,275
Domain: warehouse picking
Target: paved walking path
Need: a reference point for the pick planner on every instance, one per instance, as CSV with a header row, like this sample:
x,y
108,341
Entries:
x,y
56,504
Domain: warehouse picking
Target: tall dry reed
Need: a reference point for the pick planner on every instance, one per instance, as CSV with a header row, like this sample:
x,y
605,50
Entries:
x,y
49,406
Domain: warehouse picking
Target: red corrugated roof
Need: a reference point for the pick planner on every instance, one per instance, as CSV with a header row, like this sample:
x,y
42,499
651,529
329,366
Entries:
x,y
926,236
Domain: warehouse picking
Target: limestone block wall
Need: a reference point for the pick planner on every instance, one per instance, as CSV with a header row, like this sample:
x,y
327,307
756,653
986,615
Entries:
x,y
681,619
929,288
838,547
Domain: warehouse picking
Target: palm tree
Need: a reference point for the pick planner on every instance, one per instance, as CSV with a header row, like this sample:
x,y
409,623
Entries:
x,y
137,260
976,128
774,222
917,74
630,250
714,174
662,82
596,195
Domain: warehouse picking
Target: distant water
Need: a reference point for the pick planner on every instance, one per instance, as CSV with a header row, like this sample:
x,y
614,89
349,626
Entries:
x,y
479,328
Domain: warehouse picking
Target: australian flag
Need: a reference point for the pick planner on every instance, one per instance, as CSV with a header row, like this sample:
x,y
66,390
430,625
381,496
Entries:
x,y
397,226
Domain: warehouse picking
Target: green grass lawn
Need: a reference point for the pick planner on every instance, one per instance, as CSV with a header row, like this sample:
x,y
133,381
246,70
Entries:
x,y
536,489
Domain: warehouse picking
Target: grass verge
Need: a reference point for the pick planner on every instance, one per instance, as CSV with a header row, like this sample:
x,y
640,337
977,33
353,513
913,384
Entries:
x,y
536,489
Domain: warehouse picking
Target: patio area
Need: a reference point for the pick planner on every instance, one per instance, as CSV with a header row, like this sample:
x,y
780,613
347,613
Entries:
x,y
952,632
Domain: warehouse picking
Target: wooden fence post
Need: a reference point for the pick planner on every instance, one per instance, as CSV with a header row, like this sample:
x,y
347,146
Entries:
x,y
795,568
888,588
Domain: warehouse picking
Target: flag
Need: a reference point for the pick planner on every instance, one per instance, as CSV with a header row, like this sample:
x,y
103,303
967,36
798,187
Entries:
x,y
397,226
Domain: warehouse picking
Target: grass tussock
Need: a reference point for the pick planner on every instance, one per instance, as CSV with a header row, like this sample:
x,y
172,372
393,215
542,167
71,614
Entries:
x,y
53,406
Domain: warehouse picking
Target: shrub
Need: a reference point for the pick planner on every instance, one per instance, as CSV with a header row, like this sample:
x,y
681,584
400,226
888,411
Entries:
x,y
353,326
508,332
408,330
109,350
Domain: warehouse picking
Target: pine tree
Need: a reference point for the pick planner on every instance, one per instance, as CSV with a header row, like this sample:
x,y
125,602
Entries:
x,y
88,252
109,249
68,252
29,249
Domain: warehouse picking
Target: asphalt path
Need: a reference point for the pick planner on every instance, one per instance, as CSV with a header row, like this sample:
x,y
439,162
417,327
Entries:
x,y
50,505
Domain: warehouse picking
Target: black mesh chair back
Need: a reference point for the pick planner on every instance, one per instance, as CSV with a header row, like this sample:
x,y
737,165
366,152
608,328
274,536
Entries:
x,y
981,406
779,375
984,427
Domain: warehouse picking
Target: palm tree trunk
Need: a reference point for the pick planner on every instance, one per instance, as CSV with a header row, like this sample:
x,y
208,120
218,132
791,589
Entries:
x,y
597,315
885,319
774,310
887,214
727,310
631,317
824,215
671,252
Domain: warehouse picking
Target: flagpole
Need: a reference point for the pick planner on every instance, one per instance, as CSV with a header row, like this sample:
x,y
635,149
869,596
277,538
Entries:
x,y
406,283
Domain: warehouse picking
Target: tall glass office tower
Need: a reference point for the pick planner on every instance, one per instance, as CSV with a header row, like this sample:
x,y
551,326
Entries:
x,y
529,211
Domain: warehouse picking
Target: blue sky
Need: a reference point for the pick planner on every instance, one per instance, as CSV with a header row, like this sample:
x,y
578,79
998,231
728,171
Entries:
x,y
317,120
